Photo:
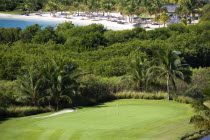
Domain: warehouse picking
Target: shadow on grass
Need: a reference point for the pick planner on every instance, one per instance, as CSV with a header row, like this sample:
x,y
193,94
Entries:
x,y
100,105
3,119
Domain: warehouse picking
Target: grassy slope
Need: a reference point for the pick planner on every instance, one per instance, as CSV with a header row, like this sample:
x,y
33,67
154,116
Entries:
x,y
135,119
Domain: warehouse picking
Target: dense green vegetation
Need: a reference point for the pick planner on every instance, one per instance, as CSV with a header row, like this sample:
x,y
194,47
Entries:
x,y
45,69
90,43
70,64
120,119
127,6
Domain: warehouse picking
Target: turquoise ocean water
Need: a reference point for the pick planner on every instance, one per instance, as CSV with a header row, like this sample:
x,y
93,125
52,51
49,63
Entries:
x,y
22,23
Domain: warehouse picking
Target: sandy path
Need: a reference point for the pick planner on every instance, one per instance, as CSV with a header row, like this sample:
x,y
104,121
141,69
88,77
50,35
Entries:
x,y
58,113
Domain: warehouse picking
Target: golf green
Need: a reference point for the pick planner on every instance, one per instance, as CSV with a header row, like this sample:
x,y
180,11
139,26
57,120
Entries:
x,y
120,119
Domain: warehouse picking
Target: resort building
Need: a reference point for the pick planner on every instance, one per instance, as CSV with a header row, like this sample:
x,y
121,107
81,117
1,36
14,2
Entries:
x,y
171,8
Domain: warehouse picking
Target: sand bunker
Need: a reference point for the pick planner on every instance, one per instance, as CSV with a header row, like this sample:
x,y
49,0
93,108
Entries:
x,y
58,113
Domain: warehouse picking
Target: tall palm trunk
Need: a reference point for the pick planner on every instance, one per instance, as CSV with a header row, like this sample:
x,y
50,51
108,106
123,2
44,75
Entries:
x,y
159,18
168,91
78,12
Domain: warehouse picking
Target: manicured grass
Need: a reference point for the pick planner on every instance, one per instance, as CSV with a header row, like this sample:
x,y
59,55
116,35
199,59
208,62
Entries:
x,y
131,119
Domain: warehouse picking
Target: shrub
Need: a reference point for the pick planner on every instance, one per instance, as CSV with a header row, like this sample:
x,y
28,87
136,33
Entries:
x,y
15,111
9,35
2,112
194,92
199,106
140,95
7,93
178,27
45,35
118,36
159,33
183,99
196,135
95,89
201,121
29,32
201,77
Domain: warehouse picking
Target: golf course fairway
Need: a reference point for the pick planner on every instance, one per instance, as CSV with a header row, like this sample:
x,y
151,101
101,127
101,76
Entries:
x,y
128,119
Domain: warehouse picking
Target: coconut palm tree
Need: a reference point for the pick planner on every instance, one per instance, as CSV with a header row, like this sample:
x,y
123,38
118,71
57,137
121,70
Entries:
x,y
188,8
30,85
158,7
169,67
130,9
164,18
60,77
30,6
106,5
138,72
51,6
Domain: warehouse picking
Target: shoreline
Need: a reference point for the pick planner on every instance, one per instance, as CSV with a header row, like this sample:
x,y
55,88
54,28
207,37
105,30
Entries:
x,y
76,20
80,20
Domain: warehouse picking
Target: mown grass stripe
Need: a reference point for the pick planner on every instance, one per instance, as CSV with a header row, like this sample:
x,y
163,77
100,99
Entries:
x,y
76,135
56,134
46,134
66,135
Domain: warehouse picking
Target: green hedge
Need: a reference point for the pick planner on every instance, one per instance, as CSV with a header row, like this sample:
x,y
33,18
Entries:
x,y
15,111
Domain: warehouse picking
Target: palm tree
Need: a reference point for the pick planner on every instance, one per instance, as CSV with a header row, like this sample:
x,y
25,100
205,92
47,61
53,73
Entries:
x,y
164,18
60,77
138,72
170,68
76,6
130,9
120,4
148,8
30,85
188,8
51,6
30,6
158,7
106,6
93,5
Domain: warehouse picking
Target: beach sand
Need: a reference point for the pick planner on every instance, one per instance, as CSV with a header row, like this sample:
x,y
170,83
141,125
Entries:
x,y
77,20
81,20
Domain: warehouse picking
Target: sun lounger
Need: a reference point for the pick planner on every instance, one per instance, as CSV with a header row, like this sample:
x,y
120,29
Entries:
x,y
136,24
120,22
114,20
155,24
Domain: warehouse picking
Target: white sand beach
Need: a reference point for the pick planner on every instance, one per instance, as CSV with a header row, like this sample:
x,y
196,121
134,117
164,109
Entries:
x,y
82,20
77,20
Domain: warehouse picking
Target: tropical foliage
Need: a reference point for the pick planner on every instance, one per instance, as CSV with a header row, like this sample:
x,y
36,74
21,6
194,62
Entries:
x,y
169,66
74,65
126,7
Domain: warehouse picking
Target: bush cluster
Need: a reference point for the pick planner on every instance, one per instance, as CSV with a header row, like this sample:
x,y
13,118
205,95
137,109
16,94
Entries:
x,y
140,95
21,111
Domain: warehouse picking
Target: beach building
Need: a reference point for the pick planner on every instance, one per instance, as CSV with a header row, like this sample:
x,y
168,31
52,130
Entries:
x,y
171,8
171,11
